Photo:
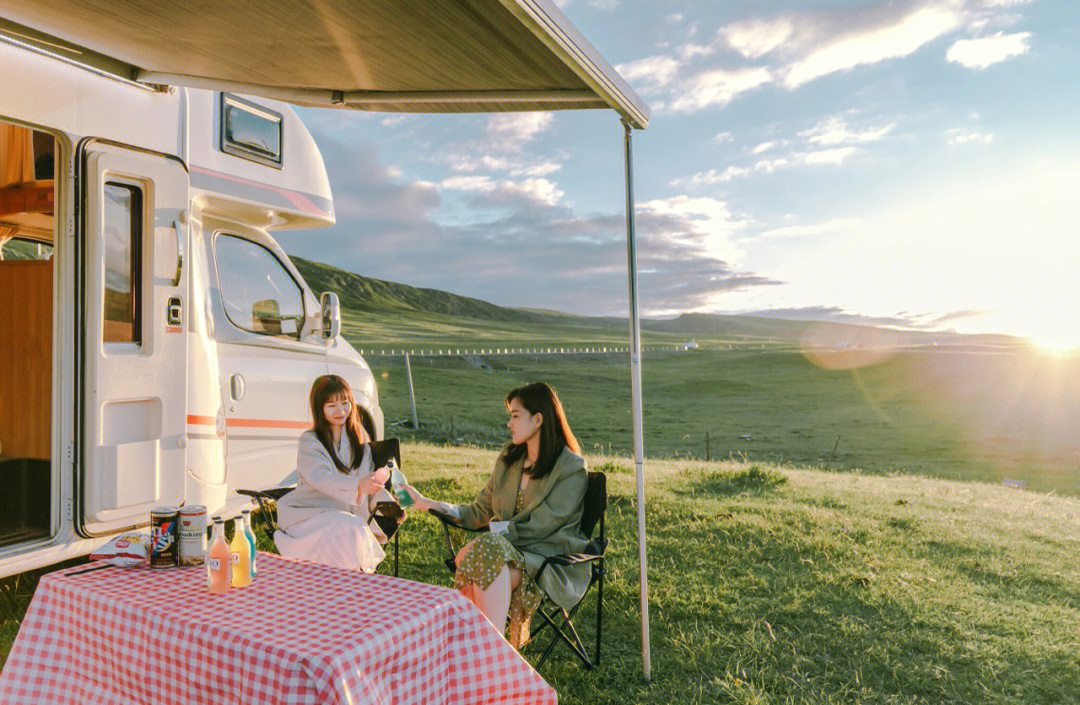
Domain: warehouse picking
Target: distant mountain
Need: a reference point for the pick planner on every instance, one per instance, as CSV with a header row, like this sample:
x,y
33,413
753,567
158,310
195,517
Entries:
x,y
360,293
366,294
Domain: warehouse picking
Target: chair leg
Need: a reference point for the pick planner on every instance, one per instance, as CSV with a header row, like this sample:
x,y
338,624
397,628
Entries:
x,y
575,645
396,535
268,519
599,607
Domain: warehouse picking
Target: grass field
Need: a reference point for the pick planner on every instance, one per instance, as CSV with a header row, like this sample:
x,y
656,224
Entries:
x,y
781,585
963,415
852,544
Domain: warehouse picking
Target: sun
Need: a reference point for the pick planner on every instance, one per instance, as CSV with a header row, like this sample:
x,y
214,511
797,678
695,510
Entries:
x,y
1060,343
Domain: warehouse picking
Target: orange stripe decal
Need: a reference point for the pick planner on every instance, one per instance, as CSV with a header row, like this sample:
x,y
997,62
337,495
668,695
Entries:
x,y
267,423
195,420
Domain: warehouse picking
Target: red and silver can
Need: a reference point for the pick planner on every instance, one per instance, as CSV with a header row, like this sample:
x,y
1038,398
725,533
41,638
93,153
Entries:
x,y
192,535
163,535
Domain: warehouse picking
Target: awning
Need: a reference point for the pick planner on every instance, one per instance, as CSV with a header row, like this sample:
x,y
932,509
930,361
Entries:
x,y
418,56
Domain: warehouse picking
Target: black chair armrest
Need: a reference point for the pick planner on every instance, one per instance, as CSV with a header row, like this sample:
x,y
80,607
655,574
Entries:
x,y
270,494
448,521
572,559
594,552
274,493
452,549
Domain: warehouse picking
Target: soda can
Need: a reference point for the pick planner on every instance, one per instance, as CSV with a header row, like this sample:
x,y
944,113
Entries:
x,y
192,535
163,535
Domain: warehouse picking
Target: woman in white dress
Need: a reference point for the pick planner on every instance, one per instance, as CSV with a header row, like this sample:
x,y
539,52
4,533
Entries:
x,y
325,519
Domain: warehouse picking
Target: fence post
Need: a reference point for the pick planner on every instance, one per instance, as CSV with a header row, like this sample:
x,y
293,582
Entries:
x,y
412,396
706,445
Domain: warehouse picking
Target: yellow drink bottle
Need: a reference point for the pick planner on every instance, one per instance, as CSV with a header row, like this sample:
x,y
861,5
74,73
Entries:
x,y
218,568
241,555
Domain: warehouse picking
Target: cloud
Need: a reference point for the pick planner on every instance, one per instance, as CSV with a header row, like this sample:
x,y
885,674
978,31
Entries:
x,y
709,178
763,147
539,169
960,135
723,137
834,130
690,51
837,314
830,226
508,132
986,51
537,190
517,242
755,38
818,157
825,156
650,73
872,45
794,48
469,164
717,87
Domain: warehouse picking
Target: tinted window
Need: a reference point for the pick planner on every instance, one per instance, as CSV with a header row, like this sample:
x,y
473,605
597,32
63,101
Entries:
x,y
122,237
250,131
258,292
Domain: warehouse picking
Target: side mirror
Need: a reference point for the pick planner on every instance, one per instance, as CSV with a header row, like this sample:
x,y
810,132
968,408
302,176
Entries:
x,y
331,315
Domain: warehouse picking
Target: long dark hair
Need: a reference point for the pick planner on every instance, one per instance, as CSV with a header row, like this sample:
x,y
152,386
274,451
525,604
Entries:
x,y
555,433
330,388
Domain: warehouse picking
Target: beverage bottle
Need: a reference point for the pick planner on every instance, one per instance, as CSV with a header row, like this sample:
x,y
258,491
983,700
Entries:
x,y
250,536
218,568
397,478
241,555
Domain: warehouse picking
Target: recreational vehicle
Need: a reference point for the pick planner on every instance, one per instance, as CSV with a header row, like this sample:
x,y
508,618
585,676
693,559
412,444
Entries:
x,y
156,344
161,349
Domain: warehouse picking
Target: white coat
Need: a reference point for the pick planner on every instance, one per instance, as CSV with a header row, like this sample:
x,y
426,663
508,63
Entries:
x,y
320,520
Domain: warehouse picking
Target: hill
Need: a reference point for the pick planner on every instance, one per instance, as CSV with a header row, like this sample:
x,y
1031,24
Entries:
x,y
366,294
369,303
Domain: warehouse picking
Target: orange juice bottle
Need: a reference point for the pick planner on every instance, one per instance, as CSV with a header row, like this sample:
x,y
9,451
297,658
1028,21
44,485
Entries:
x,y
218,567
241,555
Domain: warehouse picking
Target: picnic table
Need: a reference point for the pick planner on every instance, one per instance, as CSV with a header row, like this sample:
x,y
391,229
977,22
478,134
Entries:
x,y
301,633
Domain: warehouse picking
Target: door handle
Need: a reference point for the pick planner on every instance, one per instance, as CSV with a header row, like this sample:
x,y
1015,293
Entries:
x,y
179,228
236,387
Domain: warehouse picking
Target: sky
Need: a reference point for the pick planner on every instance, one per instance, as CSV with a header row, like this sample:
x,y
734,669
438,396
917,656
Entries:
x,y
907,163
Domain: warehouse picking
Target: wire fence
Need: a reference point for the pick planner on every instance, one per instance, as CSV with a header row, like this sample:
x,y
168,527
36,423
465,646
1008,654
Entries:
x,y
562,350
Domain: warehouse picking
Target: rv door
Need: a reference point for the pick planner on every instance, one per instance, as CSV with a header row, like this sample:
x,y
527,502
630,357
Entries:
x,y
133,336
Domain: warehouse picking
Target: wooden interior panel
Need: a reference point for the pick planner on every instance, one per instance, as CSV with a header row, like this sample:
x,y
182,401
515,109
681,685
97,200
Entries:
x,y
26,294
31,197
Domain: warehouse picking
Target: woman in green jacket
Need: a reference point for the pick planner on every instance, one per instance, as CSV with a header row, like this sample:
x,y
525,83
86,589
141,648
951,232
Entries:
x,y
532,503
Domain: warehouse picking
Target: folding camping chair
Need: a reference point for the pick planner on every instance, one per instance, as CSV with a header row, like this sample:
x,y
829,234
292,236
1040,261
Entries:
x,y
595,506
386,514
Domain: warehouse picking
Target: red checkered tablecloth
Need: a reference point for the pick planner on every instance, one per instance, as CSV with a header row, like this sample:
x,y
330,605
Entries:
x,y
302,633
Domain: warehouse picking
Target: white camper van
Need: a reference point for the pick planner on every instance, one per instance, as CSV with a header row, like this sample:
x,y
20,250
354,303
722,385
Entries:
x,y
156,344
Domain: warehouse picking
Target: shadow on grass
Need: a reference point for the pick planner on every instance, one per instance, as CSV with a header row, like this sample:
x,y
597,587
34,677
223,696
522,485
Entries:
x,y
752,479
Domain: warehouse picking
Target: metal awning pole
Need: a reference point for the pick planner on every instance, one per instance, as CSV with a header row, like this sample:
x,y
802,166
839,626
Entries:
x,y
635,390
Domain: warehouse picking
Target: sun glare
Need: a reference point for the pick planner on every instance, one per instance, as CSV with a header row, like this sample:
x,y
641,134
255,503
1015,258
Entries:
x,y
1057,342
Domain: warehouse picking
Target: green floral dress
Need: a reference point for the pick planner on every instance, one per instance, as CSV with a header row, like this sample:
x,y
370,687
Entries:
x,y
483,563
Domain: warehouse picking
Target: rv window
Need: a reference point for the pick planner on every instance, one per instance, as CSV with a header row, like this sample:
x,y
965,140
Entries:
x,y
258,292
23,248
123,217
250,131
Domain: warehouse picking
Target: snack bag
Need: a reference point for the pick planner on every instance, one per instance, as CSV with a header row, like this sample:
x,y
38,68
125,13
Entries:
x,y
126,551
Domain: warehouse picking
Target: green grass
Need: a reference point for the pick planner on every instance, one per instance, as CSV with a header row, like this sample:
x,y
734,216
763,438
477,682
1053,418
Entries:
x,y
776,585
960,415
780,585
